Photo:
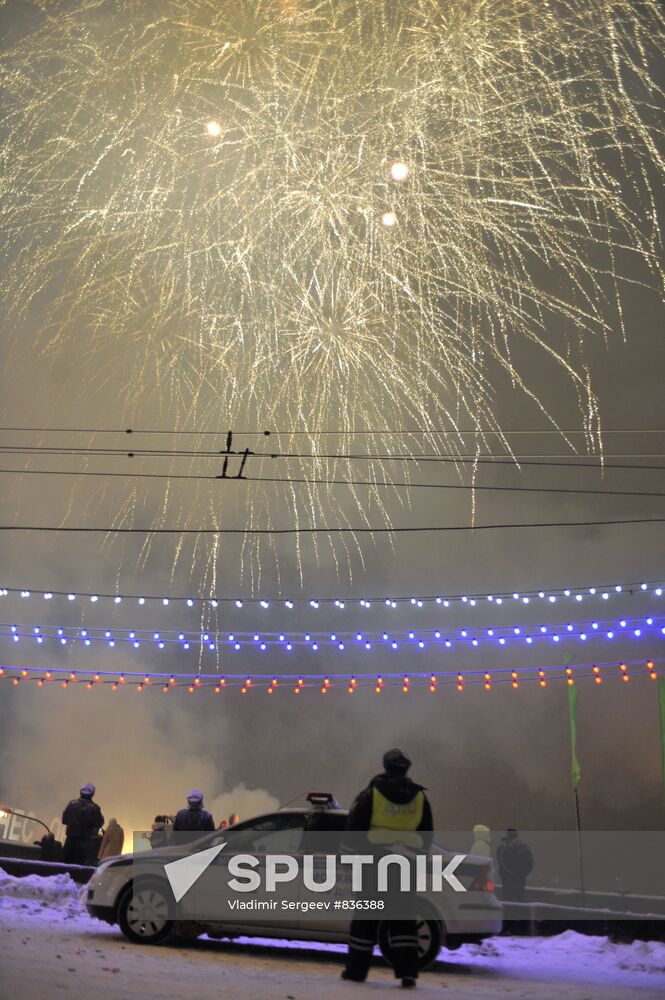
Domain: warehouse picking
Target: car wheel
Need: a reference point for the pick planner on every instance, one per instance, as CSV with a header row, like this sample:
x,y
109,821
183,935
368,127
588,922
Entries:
x,y
430,941
145,913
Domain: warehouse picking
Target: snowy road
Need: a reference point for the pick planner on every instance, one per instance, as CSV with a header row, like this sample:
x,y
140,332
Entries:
x,y
49,947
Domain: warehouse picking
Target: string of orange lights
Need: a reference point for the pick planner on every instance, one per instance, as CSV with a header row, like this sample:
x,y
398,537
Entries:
x,y
270,683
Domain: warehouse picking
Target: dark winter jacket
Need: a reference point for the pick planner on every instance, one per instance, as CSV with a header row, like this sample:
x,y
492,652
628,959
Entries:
x,y
83,818
515,859
51,849
193,820
161,831
398,789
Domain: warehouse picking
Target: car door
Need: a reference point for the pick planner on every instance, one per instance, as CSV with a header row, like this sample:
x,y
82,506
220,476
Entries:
x,y
331,823
276,833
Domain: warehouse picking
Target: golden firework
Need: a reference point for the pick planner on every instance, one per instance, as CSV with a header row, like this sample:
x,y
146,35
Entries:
x,y
320,214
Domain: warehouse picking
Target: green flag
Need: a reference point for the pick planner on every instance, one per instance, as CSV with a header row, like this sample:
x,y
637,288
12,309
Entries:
x,y
661,703
572,716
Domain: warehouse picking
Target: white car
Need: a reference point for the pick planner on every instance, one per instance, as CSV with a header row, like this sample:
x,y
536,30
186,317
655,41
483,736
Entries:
x,y
147,914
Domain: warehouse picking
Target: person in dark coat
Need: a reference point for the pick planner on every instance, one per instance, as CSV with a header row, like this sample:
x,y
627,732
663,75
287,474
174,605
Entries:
x,y
83,819
193,819
515,862
161,830
51,849
392,809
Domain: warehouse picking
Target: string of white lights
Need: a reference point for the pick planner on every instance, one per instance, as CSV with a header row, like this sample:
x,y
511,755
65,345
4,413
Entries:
x,y
551,595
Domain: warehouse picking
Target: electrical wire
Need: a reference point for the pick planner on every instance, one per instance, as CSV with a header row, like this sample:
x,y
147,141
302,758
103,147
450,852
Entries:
x,y
329,482
364,530
322,433
378,456
487,459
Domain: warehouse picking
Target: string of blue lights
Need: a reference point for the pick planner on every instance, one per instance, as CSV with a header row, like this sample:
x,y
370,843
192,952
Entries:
x,y
633,628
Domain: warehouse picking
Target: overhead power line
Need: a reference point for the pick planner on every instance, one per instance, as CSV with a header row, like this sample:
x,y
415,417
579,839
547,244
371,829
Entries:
x,y
330,482
328,432
363,530
498,458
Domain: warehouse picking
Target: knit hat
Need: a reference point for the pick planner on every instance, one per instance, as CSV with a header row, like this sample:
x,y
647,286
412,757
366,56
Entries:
x,y
396,762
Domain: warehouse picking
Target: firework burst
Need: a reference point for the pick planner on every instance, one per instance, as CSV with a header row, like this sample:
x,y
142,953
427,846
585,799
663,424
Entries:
x,y
314,214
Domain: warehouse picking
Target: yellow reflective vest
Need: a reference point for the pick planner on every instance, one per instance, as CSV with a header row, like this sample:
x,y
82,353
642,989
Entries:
x,y
394,822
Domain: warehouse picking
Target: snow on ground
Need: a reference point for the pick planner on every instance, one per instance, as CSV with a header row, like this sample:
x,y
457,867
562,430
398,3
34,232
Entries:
x,y
568,954
49,942
57,892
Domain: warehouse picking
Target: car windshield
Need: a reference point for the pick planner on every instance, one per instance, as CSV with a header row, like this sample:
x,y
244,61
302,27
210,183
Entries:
x,y
274,832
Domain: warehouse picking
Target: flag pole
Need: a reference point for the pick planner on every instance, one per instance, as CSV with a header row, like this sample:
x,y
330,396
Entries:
x,y
661,707
576,772
580,855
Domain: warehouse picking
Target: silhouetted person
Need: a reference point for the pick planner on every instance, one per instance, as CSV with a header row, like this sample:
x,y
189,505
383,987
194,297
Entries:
x,y
515,862
161,830
393,809
193,819
51,849
482,841
83,819
112,841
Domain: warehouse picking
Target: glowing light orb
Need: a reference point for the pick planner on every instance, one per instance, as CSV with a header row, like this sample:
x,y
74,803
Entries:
x,y
389,219
399,171
214,129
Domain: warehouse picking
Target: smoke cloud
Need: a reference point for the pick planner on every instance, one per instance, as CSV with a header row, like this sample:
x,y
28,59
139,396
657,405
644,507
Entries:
x,y
142,759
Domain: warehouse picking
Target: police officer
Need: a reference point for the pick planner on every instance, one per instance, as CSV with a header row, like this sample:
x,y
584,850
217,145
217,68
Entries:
x,y
83,819
392,808
193,819
515,864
